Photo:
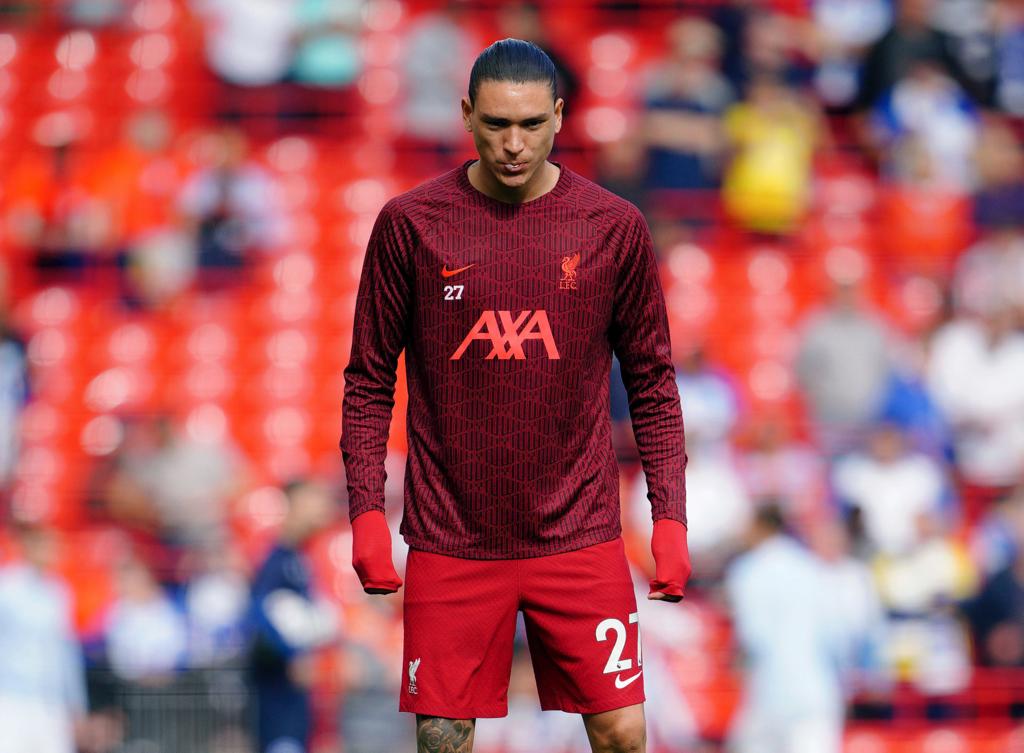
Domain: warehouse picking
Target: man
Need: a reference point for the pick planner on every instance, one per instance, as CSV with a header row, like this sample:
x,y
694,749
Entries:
x,y
509,281
788,624
289,625
42,675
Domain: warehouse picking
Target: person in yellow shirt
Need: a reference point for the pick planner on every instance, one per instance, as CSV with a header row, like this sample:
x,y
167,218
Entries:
x,y
773,136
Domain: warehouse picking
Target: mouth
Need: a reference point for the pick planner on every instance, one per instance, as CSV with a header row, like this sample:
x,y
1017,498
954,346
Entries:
x,y
512,168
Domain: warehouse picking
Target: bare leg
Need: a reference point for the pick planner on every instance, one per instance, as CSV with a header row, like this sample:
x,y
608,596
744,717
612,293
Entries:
x,y
617,731
435,734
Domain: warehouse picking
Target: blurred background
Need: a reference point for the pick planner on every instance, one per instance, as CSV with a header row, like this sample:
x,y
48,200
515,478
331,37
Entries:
x,y
836,192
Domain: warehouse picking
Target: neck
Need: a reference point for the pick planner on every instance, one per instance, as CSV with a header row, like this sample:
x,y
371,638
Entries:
x,y
291,537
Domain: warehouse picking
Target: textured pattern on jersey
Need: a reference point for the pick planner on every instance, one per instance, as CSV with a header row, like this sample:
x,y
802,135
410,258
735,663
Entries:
x,y
510,449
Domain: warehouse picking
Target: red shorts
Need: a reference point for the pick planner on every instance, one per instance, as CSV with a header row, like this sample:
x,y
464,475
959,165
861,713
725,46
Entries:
x,y
460,621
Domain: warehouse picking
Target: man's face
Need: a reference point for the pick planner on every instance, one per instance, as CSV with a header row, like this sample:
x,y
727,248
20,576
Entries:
x,y
514,127
314,508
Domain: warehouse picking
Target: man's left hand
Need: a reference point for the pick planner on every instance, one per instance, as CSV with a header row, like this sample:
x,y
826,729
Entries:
x,y
671,561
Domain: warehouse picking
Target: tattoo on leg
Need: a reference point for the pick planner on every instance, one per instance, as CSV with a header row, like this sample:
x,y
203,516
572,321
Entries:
x,y
439,735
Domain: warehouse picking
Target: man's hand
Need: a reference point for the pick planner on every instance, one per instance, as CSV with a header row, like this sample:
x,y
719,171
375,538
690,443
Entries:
x,y
671,560
371,553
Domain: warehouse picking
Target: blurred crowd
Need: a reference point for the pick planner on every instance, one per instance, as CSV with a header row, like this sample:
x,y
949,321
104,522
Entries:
x,y
856,539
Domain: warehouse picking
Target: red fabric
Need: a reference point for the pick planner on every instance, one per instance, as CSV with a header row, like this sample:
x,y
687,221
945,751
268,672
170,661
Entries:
x,y
460,622
509,315
671,559
371,554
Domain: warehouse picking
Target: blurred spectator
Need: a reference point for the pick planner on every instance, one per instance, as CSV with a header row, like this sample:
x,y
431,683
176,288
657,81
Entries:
x,y
934,573
709,400
248,42
216,600
523,20
996,613
972,28
684,102
327,45
439,49
759,41
145,635
778,469
773,134
926,215
976,373
1009,32
42,679
138,179
844,28
910,405
932,653
999,165
993,541
787,626
893,487
172,484
861,617
289,624
231,206
930,107
843,367
14,389
990,275
52,217
913,39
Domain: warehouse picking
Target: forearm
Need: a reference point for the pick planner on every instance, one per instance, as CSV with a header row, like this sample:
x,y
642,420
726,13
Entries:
x,y
660,444
366,418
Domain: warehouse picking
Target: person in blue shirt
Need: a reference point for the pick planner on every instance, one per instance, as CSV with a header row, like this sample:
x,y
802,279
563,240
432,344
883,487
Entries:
x,y
288,624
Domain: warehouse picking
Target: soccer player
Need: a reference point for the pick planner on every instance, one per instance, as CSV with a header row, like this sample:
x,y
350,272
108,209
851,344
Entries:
x,y
509,282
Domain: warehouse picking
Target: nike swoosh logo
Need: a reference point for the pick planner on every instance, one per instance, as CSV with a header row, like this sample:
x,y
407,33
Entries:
x,y
620,683
445,272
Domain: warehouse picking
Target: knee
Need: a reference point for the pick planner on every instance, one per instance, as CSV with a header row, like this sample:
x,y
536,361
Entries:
x,y
622,736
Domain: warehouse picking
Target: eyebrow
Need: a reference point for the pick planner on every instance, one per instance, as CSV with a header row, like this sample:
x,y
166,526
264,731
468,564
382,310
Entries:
x,y
495,120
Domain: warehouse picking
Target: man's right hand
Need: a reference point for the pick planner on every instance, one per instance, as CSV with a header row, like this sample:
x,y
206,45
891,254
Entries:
x,y
371,553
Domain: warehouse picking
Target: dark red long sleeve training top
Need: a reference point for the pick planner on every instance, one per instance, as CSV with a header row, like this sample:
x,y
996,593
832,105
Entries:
x,y
508,314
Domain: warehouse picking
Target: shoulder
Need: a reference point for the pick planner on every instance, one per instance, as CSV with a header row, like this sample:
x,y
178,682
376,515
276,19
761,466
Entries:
x,y
596,204
586,193
427,201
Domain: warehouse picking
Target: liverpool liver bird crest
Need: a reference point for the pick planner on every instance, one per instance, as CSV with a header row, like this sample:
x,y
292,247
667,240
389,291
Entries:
x,y
569,264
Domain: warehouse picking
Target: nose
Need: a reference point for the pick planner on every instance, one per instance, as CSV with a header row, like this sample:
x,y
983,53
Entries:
x,y
513,141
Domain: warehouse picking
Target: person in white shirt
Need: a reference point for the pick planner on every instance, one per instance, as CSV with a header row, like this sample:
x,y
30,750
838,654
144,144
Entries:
x,y
976,373
789,628
892,487
42,678
248,42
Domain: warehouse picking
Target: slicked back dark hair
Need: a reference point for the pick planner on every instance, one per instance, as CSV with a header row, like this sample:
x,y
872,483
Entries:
x,y
512,60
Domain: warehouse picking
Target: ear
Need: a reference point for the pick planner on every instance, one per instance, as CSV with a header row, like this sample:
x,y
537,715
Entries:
x,y
467,114
559,104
